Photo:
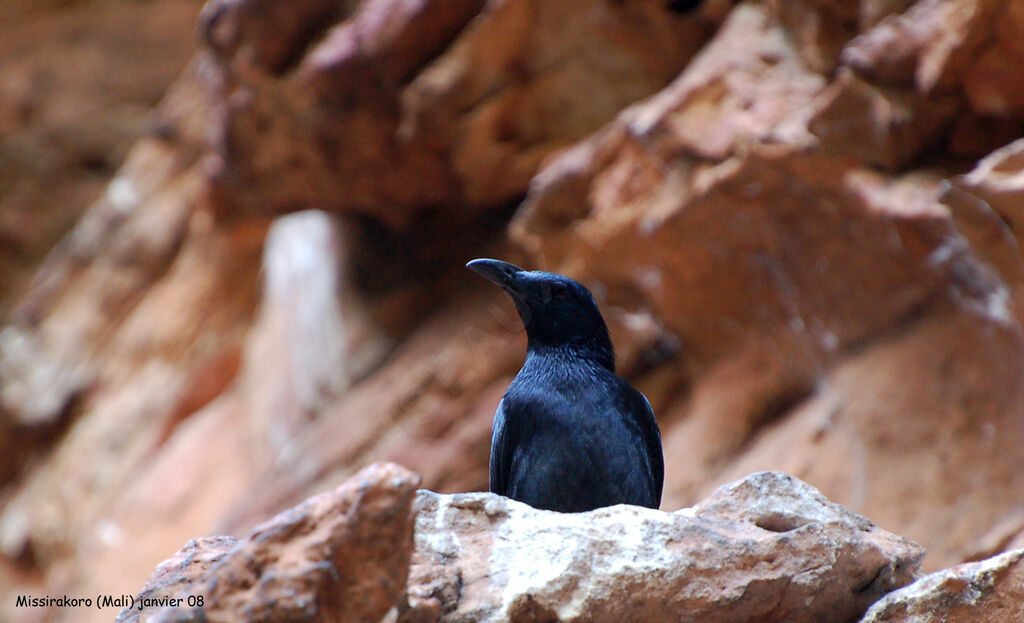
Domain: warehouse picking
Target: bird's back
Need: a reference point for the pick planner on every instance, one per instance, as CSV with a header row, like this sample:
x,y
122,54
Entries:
x,y
570,435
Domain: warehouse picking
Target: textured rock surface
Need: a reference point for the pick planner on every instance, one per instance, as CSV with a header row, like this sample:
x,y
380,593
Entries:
x,y
429,108
767,548
77,83
989,590
339,556
798,280
176,575
802,220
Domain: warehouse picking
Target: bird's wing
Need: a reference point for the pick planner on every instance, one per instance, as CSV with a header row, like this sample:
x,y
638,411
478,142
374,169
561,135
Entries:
x,y
623,446
537,455
652,441
593,445
501,451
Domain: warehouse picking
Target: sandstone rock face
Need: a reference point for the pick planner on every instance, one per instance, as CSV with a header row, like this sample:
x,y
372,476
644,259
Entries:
x,y
851,269
340,556
801,219
176,575
444,104
77,83
989,590
768,548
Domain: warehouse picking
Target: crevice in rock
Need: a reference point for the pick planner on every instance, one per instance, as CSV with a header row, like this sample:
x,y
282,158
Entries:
x,y
780,522
870,584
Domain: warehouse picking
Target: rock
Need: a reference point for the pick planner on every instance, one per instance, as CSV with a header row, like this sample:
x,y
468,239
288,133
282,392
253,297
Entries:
x,y
76,84
897,130
657,155
137,377
988,590
307,346
276,93
991,83
799,218
787,208
188,566
439,387
998,181
958,51
767,548
819,28
340,556
426,109
927,46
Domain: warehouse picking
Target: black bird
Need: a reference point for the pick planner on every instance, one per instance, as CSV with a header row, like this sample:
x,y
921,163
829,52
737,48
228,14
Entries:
x,y
569,434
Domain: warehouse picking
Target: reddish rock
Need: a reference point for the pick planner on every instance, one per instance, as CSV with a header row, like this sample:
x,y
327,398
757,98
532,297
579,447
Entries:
x,y
819,28
989,590
992,83
340,556
961,51
779,262
928,46
177,575
77,81
147,304
998,181
798,264
877,126
404,105
434,397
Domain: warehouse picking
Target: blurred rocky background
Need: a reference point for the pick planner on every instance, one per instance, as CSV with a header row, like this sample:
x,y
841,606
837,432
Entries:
x,y
232,238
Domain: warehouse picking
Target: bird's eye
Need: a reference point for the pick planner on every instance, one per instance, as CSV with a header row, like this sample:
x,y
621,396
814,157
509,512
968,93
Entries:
x,y
559,293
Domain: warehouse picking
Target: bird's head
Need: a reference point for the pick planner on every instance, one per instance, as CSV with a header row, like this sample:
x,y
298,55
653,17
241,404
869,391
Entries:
x,y
557,311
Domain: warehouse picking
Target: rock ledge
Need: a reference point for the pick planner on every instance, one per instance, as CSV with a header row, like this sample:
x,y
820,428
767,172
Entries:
x,y
766,548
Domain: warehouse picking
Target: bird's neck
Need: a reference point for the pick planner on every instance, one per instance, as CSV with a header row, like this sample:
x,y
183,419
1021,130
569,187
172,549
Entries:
x,y
596,351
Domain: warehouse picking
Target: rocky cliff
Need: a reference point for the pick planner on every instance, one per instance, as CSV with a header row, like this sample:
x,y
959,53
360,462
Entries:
x,y
765,549
768,548
800,219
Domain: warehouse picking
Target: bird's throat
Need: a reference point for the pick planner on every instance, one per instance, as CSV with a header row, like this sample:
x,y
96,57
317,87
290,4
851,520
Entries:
x,y
600,354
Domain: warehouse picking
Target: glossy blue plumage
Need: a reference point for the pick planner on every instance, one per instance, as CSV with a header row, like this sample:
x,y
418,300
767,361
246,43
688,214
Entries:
x,y
569,434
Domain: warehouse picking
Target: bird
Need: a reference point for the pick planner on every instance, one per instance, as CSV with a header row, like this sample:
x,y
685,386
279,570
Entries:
x,y
569,435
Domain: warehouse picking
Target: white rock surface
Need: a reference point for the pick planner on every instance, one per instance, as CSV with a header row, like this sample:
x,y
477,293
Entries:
x,y
767,548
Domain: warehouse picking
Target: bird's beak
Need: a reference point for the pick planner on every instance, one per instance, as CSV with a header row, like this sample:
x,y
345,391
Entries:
x,y
502,273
